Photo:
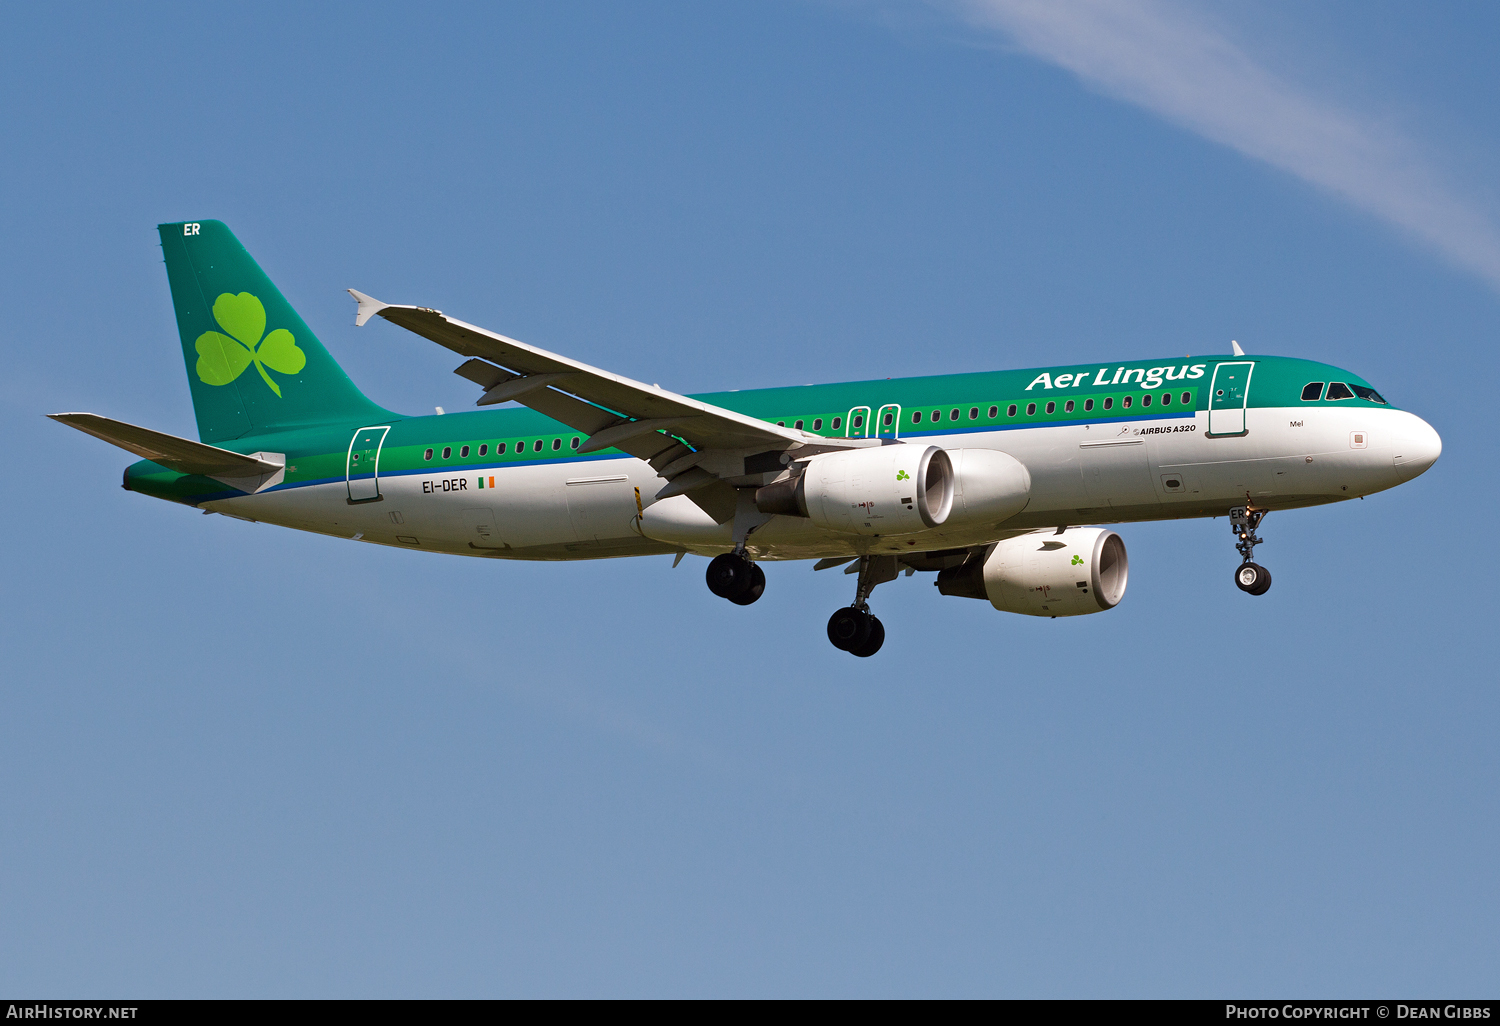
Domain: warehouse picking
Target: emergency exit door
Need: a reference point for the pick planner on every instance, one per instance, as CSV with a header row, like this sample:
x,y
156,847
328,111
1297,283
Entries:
x,y
858,424
1227,397
888,422
363,470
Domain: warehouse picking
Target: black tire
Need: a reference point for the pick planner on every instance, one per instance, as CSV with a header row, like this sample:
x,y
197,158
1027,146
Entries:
x,y
1264,584
1252,578
874,641
730,575
849,628
756,590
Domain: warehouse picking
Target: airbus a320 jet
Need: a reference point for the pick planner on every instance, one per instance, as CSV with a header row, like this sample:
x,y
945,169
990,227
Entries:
x,y
995,482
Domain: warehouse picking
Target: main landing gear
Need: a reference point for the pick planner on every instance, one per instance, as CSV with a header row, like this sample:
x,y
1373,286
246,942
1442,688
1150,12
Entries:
x,y
1249,576
735,577
854,629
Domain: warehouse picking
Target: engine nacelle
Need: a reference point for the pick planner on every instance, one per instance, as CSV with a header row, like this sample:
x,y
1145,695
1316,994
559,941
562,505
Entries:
x,y
989,486
892,489
1082,570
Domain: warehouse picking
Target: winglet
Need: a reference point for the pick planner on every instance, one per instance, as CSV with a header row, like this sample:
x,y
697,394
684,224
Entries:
x,y
1237,350
369,306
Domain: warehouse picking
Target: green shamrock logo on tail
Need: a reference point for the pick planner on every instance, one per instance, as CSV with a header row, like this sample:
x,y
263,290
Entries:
x,y
222,358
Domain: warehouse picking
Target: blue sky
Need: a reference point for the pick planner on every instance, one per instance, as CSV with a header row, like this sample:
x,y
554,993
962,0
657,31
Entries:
x,y
240,761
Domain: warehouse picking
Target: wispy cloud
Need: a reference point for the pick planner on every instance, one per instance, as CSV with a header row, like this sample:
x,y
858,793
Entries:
x,y
1166,58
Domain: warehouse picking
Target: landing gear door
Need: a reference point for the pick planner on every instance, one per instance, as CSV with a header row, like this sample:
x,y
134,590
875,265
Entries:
x,y
888,421
362,471
1227,397
858,424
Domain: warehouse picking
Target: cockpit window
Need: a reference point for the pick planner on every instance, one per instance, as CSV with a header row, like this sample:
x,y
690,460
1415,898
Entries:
x,y
1368,393
1312,391
1339,390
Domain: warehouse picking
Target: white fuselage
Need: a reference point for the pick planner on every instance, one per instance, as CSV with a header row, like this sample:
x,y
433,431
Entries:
x,y
1080,473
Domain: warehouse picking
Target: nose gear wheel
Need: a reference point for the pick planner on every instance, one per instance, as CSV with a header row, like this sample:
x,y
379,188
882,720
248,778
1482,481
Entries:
x,y
1250,577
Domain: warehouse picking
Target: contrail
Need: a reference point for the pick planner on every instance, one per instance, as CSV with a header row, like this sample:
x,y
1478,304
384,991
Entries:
x,y
1162,57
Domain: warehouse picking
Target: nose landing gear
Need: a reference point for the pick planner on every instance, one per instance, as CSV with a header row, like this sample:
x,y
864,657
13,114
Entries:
x,y
1249,576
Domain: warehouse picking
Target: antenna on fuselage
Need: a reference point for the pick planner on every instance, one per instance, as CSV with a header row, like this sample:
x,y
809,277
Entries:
x,y
1236,347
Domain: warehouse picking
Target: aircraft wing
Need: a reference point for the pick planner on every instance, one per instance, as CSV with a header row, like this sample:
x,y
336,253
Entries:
x,y
246,473
693,444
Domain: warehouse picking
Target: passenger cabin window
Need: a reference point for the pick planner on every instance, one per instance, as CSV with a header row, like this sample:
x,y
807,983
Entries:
x,y
994,410
1187,397
1312,391
859,421
953,415
463,452
973,413
556,444
500,449
916,418
1166,398
427,455
1368,393
1339,390
838,422
1088,404
798,425
538,446
1146,399
818,424
447,451
1051,407
1030,409
1108,402
574,442
483,450
1011,410
886,420
1125,402
1068,406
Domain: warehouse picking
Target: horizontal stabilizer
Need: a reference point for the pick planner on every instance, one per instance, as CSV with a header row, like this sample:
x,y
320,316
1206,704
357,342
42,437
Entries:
x,y
246,473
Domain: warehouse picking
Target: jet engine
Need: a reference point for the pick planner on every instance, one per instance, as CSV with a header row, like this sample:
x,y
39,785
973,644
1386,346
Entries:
x,y
989,486
892,489
1082,570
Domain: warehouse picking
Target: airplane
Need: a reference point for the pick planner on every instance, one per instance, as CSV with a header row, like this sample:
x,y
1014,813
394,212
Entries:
x,y
996,482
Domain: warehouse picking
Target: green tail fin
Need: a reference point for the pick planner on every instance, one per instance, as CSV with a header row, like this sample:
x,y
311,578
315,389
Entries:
x,y
252,364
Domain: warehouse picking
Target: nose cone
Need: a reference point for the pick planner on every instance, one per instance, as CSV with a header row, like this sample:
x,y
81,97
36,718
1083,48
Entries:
x,y
1417,447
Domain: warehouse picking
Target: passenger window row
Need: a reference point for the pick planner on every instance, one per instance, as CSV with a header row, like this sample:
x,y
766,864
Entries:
x,y
954,414
500,448
957,414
